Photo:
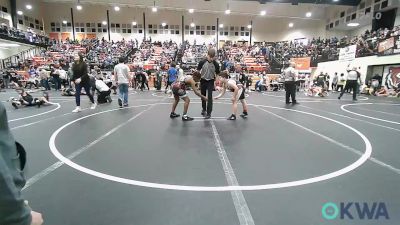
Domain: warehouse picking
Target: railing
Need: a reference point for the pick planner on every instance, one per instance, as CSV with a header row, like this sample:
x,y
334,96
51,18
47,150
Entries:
x,y
26,54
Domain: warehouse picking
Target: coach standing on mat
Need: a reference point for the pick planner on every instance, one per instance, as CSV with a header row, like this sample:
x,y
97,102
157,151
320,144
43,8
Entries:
x,y
13,209
352,77
208,69
290,83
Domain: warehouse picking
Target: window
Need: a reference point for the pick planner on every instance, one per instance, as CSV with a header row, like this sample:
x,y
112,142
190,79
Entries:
x,y
4,9
342,14
331,25
384,4
336,23
353,16
368,10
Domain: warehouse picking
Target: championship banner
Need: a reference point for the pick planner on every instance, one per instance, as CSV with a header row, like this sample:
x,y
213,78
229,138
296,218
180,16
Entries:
x,y
54,36
90,36
65,36
348,53
390,46
302,63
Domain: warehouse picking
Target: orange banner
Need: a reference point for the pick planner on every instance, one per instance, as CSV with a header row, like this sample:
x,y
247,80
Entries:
x,y
386,44
54,36
65,35
80,36
90,36
302,63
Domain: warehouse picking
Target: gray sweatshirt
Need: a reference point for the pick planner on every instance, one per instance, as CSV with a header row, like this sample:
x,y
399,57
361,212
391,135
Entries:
x,y
13,211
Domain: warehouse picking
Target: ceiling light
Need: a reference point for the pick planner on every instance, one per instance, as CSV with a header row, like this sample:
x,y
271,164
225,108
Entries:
x,y
221,25
192,24
19,12
249,26
262,13
228,11
134,23
290,24
154,9
191,10
64,22
309,14
104,22
335,0
164,24
29,6
116,8
353,24
79,7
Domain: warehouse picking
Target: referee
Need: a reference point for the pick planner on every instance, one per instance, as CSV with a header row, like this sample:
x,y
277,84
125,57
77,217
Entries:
x,y
208,69
290,83
352,77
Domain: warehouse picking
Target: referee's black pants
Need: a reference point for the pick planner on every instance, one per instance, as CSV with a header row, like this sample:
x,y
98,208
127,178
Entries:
x,y
207,87
350,84
290,87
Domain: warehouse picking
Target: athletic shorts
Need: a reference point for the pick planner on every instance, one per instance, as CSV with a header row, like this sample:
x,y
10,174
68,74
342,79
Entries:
x,y
179,90
241,94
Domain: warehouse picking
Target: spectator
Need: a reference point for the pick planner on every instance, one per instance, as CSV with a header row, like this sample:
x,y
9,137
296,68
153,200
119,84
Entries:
x,y
13,208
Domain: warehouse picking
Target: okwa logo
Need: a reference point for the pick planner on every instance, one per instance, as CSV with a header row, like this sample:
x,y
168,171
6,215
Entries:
x,y
355,210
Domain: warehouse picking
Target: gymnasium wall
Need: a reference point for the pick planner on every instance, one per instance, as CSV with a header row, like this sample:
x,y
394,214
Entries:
x,y
360,30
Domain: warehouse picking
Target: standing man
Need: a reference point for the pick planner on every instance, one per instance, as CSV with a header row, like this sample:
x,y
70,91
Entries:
x,y
208,69
121,73
6,79
172,75
13,209
335,81
352,77
290,83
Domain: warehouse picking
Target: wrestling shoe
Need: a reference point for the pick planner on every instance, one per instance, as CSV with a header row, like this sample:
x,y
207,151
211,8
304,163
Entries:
x,y
244,115
187,118
174,115
232,117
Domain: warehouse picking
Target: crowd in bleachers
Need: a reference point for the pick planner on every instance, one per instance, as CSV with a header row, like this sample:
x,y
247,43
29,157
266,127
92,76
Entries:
x,y
321,50
149,56
29,36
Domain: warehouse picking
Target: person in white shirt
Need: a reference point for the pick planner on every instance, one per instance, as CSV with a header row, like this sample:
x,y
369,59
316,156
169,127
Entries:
x,y
103,92
290,75
121,74
352,77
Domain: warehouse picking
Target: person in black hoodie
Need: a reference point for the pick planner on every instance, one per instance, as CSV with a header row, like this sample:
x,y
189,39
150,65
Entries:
x,y
81,79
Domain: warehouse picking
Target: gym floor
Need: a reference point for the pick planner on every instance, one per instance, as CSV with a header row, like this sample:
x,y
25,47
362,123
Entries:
x,y
136,166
